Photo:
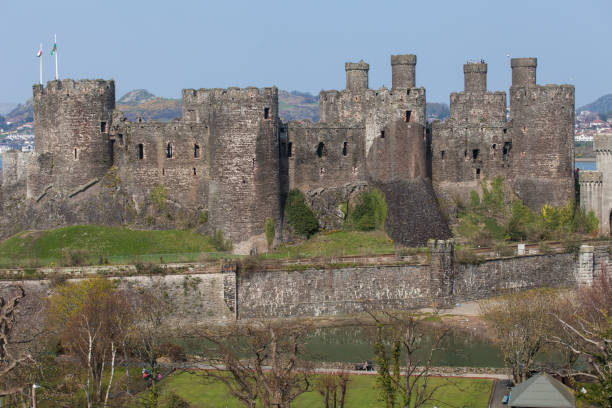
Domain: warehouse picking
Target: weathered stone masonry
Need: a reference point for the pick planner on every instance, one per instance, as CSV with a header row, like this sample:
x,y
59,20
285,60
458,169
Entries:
x,y
218,292
228,161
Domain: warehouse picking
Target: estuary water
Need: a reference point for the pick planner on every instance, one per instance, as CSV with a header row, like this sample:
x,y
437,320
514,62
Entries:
x,y
585,165
461,348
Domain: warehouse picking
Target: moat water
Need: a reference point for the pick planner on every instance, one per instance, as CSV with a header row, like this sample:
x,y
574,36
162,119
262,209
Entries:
x,y
461,348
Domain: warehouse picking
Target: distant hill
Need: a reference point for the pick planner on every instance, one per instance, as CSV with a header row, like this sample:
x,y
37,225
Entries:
x,y
601,105
294,105
136,97
438,110
6,107
21,114
297,105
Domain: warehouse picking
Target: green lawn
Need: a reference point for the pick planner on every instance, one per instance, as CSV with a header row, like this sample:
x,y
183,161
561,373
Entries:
x,y
339,243
120,245
116,244
202,392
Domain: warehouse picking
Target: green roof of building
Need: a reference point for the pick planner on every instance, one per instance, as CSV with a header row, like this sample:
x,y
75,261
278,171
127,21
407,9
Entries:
x,y
542,391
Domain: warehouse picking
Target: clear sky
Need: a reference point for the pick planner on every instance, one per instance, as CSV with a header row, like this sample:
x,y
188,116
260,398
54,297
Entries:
x,y
165,46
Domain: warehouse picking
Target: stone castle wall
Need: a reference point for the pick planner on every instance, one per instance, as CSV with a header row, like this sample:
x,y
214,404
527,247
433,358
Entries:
x,y
216,292
230,156
533,151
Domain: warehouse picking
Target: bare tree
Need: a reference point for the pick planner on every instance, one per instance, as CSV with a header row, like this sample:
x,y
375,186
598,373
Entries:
x,y
263,363
333,389
404,360
588,333
522,322
10,360
94,319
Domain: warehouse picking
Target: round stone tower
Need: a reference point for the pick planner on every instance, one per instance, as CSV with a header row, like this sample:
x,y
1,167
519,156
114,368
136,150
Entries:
x,y
71,124
356,76
524,71
403,71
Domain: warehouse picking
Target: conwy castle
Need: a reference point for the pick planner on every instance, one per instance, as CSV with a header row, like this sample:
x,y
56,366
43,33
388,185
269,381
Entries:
x,y
229,161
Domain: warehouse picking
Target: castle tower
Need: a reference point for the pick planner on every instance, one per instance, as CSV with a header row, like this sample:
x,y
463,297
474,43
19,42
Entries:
x,y
403,71
243,141
542,137
71,122
475,77
524,72
356,76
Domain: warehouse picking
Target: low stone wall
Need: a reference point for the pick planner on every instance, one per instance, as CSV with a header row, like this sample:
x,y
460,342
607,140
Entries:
x,y
472,282
218,292
315,292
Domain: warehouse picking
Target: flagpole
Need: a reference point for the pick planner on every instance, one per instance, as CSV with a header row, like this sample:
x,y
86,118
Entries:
x,y
55,52
40,58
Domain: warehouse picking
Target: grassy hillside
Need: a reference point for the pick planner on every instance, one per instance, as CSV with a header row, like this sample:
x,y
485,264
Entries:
x,y
87,244
339,243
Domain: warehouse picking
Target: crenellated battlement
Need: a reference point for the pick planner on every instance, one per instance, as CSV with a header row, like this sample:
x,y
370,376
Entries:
x,y
66,87
229,159
586,176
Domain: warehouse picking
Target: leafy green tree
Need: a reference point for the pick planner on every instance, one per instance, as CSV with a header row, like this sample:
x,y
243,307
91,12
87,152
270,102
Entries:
x,y
299,216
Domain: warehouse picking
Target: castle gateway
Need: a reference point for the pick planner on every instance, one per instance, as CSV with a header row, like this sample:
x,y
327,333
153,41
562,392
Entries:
x,y
229,160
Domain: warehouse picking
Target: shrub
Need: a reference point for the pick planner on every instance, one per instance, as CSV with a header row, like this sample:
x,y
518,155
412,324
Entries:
x,y
172,351
299,216
467,257
74,257
158,197
247,265
370,212
219,242
269,228
203,219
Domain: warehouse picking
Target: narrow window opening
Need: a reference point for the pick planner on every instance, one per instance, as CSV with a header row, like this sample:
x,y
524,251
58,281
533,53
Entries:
x,y
266,113
163,171
140,151
493,149
344,148
253,163
102,127
321,151
194,171
505,131
442,154
478,174
120,137
407,116
506,150
76,156
112,150
290,149
169,151
465,154
196,151
475,153
382,134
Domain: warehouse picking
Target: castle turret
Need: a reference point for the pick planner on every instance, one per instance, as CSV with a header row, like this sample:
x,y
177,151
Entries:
x,y
356,75
475,77
244,188
524,72
403,71
71,122
542,137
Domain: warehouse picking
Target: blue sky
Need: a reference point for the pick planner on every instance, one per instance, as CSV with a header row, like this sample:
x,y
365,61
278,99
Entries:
x,y
165,46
